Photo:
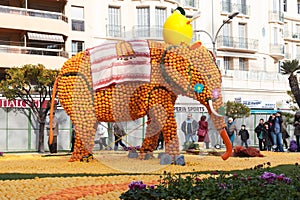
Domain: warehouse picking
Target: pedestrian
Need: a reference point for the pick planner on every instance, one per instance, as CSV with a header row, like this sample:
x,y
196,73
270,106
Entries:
x,y
267,138
189,127
244,135
271,125
231,130
277,134
73,136
119,132
53,146
203,131
297,129
101,135
285,134
258,130
160,142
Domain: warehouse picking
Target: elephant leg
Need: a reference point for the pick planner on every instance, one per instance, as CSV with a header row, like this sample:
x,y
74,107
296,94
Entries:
x,y
157,117
171,137
76,96
84,120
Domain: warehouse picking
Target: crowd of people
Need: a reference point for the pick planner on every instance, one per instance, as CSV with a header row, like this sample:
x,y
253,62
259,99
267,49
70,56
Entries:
x,y
272,133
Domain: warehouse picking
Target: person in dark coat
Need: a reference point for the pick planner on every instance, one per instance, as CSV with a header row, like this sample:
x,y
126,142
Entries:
x,y
267,138
160,142
259,134
244,135
297,129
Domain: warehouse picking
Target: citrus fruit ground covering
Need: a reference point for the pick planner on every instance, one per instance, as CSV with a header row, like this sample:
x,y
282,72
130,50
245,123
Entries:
x,y
36,176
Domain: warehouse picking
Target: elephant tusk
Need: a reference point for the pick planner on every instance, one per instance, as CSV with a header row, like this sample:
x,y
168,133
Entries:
x,y
212,109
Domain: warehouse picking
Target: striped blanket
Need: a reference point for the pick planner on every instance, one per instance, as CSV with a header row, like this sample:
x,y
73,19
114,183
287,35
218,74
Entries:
x,y
120,61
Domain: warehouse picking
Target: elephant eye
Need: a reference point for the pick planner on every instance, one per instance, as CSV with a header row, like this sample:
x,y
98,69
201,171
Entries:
x,y
208,76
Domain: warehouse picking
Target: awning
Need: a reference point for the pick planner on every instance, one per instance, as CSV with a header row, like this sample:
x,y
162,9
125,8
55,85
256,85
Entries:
x,y
45,37
263,111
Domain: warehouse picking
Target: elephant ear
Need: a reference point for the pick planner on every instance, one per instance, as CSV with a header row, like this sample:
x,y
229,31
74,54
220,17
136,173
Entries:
x,y
177,69
175,75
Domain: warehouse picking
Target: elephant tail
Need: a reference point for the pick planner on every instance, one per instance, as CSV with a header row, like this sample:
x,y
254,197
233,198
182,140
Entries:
x,y
52,109
227,143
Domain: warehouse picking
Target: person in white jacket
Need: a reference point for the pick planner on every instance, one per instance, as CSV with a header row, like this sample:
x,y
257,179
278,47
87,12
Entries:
x,y
101,135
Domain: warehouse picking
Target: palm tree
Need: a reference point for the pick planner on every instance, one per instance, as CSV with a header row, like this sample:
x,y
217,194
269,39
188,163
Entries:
x,y
290,67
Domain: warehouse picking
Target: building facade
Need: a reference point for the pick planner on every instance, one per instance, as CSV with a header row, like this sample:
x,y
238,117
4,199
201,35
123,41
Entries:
x,y
249,48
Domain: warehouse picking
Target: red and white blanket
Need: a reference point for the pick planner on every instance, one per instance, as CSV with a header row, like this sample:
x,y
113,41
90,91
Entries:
x,y
111,65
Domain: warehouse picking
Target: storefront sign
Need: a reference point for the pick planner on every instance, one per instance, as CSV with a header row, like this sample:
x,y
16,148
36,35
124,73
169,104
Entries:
x,y
187,109
18,103
259,104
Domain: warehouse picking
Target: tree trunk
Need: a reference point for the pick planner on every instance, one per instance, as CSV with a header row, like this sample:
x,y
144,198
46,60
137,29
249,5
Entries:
x,y
41,148
295,88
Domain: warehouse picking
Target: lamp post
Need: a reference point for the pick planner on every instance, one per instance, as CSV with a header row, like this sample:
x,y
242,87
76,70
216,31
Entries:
x,y
213,39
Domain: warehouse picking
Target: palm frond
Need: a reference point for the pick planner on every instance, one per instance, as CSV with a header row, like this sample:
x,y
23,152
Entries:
x,y
289,67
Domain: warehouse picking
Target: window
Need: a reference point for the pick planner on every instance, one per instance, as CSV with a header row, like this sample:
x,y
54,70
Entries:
x,y
275,36
227,63
298,51
298,4
114,25
77,18
226,5
143,22
242,36
265,64
242,64
226,34
160,18
77,46
285,5
189,3
242,7
275,5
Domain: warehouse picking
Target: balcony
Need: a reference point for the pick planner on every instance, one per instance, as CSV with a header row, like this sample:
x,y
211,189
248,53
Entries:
x,y
52,58
115,31
149,32
33,13
291,36
189,3
24,19
238,44
254,75
226,6
277,51
276,17
243,9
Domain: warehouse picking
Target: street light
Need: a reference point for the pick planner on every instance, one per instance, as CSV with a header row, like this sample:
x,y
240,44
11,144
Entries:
x,y
213,39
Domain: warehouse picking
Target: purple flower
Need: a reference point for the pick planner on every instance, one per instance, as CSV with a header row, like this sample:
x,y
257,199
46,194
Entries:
x,y
137,185
1,153
235,175
271,177
198,179
222,186
249,178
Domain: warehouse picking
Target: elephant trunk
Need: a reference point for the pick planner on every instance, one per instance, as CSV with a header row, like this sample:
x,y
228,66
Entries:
x,y
220,125
52,109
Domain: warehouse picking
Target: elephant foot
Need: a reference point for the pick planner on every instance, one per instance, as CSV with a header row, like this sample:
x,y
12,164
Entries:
x,y
145,155
166,159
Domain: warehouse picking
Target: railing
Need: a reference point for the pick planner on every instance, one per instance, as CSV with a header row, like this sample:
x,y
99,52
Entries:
x,y
32,13
237,42
277,49
226,6
114,30
191,3
276,16
154,32
34,51
243,9
287,56
255,75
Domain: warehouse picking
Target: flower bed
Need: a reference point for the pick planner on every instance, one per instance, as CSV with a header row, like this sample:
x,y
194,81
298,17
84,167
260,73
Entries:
x,y
31,176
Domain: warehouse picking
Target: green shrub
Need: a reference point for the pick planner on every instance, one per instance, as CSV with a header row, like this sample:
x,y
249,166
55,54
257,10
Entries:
x,y
258,183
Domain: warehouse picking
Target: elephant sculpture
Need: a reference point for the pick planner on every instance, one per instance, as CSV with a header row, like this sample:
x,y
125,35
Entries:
x,y
188,70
